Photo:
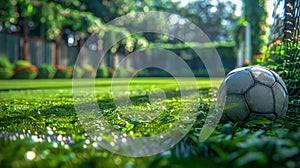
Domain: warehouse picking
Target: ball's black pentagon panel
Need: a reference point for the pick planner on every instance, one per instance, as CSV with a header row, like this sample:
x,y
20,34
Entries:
x,y
239,83
262,75
260,99
255,116
235,107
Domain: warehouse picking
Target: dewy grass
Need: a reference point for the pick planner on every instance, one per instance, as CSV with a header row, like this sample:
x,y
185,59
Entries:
x,y
39,117
39,128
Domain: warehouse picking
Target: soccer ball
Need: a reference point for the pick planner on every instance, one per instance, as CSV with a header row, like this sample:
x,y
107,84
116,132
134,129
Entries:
x,y
252,92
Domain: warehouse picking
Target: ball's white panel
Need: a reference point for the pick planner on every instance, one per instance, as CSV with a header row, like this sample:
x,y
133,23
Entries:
x,y
285,107
255,116
239,82
235,108
262,75
237,70
221,95
279,97
279,79
260,99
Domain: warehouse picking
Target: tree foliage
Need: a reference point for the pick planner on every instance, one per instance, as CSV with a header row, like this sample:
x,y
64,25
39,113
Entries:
x,y
56,20
255,14
48,18
215,18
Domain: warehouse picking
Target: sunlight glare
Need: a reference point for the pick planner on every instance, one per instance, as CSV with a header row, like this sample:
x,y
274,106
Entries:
x,y
30,155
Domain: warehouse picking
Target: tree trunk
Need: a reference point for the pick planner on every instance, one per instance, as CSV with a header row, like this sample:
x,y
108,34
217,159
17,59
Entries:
x,y
57,54
126,60
56,58
26,40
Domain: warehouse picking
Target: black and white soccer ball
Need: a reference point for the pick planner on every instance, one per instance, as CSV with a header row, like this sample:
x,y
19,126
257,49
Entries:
x,y
252,92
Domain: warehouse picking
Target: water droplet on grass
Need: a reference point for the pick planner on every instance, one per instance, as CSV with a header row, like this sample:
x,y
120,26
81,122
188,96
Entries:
x,y
55,145
49,139
95,145
99,138
50,132
30,155
59,138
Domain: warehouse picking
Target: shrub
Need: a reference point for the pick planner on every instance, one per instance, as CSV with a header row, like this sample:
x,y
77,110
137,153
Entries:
x,y
22,63
122,72
157,72
132,71
88,71
63,72
4,63
102,72
77,70
111,71
46,71
6,68
143,73
24,70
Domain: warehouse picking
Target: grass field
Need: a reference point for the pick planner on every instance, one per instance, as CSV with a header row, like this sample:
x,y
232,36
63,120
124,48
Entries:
x,y
40,128
100,84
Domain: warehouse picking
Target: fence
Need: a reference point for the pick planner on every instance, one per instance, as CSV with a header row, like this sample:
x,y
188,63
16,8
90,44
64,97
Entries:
x,y
41,51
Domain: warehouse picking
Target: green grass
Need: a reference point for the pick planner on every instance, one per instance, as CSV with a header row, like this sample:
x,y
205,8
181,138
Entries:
x,y
101,84
38,117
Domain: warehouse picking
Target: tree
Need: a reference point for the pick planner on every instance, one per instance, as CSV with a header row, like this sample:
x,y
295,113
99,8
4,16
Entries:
x,y
255,14
54,20
213,17
47,19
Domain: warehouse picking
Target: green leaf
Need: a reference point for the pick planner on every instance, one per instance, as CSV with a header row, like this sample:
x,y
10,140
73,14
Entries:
x,y
258,122
258,133
31,117
257,157
117,127
222,154
286,153
129,127
227,129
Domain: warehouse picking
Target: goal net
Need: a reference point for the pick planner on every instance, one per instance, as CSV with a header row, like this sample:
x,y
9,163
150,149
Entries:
x,y
283,53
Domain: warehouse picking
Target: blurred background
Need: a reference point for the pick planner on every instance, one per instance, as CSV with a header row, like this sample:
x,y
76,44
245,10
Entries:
x,y
42,38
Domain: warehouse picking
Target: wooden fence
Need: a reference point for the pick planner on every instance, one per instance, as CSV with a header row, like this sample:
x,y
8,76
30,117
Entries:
x,y
41,51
